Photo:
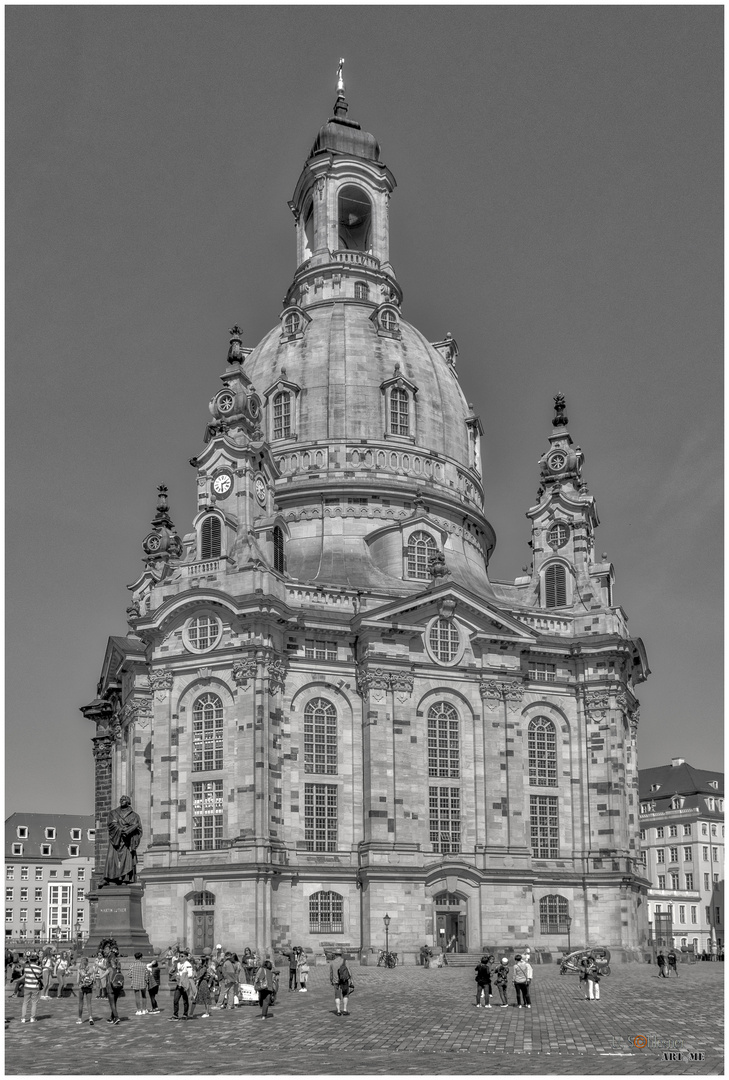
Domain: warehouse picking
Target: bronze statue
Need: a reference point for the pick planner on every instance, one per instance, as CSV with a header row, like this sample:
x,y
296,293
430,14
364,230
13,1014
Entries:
x,y
125,832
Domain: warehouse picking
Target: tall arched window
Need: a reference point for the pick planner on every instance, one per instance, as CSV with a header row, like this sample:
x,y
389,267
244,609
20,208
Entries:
x,y
279,557
553,911
282,415
542,752
421,548
399,412
555,586
443,741
210,538
326,913
354,219
320,737
207,733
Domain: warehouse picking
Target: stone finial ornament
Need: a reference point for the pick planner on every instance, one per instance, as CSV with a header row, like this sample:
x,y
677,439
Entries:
x,y
235,352
559,406
340,78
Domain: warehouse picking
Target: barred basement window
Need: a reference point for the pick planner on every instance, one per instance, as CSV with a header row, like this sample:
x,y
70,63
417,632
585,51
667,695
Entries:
x,y
320,737
443,741
210,542
326,913
553,912
207,733
421,548
207,815
320,650
320,817
282,415
544,821
399,412
445,819
279,556
555,586
542,752
542,672
444,640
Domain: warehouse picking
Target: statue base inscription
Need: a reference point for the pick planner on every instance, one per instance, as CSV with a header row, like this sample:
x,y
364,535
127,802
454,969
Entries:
x,y
119,916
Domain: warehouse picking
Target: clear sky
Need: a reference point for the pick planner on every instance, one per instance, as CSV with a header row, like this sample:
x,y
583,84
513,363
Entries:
x,y
559,210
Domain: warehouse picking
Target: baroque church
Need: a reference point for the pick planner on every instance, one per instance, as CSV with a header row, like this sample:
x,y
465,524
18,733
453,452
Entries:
x,y
325,710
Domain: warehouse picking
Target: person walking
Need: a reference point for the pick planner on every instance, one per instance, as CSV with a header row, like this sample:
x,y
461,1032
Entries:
x,y
661,961
522,981
85,982
672,964
153,981
230,982
264,984
483,983
204,978
341,980
182,991
138,982
303,972
501,975
32,981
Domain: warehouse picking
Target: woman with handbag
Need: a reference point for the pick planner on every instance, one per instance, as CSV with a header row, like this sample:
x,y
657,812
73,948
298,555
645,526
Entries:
x,y
264,984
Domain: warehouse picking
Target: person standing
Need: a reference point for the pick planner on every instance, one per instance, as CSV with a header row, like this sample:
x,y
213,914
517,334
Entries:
x,y
230,982
522,981
293,963
32,979
483,983
264,984
114,981
661,961
85,981
672,964
138,977
340,979
47,975
182,992
592,977
303,972
153,981
204,978
502,981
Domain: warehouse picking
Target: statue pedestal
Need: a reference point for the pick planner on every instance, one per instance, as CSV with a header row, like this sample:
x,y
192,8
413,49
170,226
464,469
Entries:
x,y
119,916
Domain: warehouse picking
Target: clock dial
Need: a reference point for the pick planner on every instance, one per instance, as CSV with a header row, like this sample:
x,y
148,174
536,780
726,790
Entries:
x,y
556,462
260,487
222,483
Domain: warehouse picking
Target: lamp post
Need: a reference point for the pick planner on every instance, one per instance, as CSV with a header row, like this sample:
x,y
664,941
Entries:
x,y
386,921
568,924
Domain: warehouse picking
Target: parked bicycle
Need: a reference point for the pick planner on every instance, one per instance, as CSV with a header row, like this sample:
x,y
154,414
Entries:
x,y
387,959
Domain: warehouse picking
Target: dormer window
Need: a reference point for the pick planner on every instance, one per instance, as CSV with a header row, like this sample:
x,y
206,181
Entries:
x,y
558,535
282,415
22,832
75,834
73,850
421,548
655,787
354,219
388,322
46,849
361,290
50,834
555,586
399,412
210,537
292,323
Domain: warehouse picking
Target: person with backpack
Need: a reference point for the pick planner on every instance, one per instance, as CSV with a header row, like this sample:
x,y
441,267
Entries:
x,y
265,985
85,982
501,975
341,980
672,963
138,979
592,977
153,981
114,985
32,979
483,983
522,981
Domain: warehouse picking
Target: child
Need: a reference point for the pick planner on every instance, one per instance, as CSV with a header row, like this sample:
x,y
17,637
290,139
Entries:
x,y
303,972
85,983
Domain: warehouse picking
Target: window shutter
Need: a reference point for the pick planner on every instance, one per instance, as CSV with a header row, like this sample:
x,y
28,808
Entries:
x,y
210,538
555,587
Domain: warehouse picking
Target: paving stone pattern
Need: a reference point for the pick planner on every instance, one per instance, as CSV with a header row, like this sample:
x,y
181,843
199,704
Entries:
x,y
405,1021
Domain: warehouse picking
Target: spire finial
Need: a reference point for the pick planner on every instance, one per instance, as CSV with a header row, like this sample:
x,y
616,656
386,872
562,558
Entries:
x,y
340,79
559,407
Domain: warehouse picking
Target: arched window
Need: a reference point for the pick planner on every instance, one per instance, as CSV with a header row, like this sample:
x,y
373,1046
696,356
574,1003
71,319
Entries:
x,y
555,586
279,557
309,231
207,733
203,899
320,737
326,913
553,910
282,415
210,538
399,412
542,752
361,290
421,548
443,741
292,323
558,535
388,321
444,640
354,219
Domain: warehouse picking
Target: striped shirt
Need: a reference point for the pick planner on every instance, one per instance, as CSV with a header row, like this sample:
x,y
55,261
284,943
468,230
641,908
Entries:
x,y
33,974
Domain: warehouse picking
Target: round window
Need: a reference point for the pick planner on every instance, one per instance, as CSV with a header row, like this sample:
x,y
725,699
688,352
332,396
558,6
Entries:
x,y
558,535
444,640
202,633
557,462
225,402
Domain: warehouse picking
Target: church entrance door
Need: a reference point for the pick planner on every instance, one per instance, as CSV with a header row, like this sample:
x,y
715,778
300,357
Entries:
x,y
203,930
451,930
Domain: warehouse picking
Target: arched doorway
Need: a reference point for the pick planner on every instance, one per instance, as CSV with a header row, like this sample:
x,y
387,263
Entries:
x,y
203,921
451,930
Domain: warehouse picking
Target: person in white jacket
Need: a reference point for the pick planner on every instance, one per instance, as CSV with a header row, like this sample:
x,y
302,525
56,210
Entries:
x,y
522,980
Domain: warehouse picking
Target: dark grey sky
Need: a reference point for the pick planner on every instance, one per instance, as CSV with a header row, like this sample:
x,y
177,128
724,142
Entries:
x,y
559,210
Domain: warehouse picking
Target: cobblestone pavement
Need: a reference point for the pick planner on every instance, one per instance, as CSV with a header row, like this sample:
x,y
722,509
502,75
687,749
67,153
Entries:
x,y
406,1021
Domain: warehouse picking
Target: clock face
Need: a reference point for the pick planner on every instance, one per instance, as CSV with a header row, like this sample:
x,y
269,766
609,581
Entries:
x,y
556,462
260,486
222,483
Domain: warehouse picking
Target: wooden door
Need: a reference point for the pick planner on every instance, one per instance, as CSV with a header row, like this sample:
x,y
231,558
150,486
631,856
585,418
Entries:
x,y
203,930
462,938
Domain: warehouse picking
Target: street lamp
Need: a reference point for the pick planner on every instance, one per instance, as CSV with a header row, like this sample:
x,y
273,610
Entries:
x,y
568,924
386,921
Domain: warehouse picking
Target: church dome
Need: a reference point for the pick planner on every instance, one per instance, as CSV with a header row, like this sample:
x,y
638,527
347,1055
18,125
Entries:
x,y
343,136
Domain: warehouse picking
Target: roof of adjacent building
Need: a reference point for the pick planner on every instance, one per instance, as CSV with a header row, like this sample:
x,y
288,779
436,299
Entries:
x,y
37,824
680,779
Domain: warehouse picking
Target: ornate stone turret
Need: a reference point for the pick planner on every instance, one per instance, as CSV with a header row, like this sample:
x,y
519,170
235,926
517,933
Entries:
x,y
163,543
